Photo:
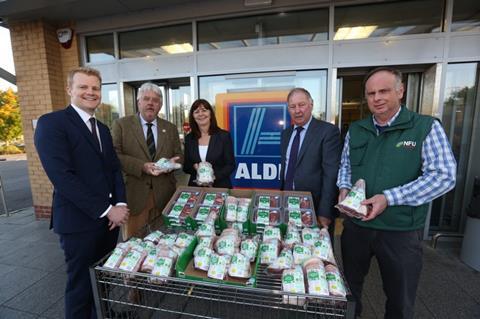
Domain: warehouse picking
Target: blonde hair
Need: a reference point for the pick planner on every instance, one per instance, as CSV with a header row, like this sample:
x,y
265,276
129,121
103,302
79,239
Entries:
x,y
85,70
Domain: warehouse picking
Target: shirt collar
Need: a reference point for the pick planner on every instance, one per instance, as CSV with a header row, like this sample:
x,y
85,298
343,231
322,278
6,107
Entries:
x,y
83,115
389,121
143,122
305,126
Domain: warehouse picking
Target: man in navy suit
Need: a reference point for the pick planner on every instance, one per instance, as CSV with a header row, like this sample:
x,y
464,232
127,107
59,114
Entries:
x,y
88,206
310,151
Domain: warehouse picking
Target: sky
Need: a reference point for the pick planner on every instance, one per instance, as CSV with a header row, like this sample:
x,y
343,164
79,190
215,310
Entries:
x,y
6,57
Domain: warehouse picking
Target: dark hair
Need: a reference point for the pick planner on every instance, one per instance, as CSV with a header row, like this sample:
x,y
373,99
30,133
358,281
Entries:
x,y
213,120
395,72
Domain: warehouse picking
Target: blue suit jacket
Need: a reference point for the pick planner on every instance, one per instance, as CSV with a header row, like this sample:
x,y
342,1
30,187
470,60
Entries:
x,y
85,180
317,165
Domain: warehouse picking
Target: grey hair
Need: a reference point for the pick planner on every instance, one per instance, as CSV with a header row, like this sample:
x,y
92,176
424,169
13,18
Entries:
x,y
395,72
299,90
149,86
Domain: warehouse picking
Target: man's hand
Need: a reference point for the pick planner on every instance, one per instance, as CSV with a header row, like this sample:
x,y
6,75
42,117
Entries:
x,y
343,193
117,215
150,168
376,205
174,159
323,221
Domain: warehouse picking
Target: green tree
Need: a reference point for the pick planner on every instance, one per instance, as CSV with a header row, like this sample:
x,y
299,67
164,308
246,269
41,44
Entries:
x,y
10,120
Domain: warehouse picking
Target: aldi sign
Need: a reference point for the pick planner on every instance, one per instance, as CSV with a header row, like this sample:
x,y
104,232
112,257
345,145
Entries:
x,y
255,121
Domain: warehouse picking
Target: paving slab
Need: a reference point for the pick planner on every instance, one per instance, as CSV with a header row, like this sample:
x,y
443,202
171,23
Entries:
x,y
40,296
8,313
56,311
17,281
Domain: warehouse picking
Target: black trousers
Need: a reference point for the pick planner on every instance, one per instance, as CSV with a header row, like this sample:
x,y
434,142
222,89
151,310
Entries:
x,y
399,255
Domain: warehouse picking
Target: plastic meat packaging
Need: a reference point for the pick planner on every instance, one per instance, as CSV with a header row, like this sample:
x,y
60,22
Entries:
x,y
316,279
293,281
335,281
165,165
205,174
351,205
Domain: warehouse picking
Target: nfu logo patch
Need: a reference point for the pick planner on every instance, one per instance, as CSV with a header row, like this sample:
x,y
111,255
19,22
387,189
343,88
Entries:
x,y
407,144
256,130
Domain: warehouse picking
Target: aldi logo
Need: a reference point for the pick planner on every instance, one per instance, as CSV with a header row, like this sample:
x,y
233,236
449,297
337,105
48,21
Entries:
x,y
256,126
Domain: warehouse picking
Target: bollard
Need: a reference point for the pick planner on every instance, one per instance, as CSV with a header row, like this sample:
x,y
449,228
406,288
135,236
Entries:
x,y
2,194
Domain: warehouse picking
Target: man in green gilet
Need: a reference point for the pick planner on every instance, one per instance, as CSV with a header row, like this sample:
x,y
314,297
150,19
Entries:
x,y
406,160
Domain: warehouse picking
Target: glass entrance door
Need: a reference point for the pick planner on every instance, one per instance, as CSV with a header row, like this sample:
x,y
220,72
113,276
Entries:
x,y
461,107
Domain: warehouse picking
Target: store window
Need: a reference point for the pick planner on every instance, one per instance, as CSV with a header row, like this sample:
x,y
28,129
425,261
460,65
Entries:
x,y
157,41
100,48
314,81
388,19
279,28
108,111
466,15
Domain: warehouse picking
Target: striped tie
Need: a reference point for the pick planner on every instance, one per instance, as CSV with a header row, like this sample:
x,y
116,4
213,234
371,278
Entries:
x,y
151,141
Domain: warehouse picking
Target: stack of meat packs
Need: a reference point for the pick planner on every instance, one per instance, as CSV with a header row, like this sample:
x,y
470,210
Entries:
x,y
304,260
229,255
269,211
191,205
236,212
156,254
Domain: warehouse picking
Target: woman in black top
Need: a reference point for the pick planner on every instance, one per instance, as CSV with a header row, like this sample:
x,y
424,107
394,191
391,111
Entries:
x,y
208,143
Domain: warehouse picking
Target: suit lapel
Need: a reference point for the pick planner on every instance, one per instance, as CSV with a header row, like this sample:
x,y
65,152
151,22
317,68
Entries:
x,y
161,137
288,134
309,136
82,127
211,146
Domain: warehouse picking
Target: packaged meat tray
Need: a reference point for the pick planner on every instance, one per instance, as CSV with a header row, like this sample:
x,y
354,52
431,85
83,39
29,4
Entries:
x,y
213,198
265,217
268,201
300,217
298,202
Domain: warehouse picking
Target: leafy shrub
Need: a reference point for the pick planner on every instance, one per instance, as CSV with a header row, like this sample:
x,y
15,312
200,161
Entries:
x,y
10,149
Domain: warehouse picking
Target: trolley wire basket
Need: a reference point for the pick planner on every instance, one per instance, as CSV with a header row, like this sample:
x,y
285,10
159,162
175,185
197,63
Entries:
x,y
120,294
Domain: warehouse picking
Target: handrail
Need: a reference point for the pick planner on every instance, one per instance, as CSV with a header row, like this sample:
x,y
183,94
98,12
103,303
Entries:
x,y
439,235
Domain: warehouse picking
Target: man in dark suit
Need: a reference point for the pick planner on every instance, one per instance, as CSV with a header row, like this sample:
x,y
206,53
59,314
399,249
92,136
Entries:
x,y
310,156
77,154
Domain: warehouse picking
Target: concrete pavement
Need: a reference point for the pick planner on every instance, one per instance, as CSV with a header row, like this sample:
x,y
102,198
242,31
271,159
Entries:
x,y
32,277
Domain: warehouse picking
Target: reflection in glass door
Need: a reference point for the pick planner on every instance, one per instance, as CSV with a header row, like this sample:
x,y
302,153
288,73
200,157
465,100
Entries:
x,y
179,102
351,96
459,112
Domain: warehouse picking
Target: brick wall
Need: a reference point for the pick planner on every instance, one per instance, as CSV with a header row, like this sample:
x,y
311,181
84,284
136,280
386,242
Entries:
x,y
41,66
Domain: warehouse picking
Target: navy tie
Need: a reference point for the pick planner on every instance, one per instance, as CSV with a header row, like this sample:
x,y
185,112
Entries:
x,y
292,160
94,132
151,141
